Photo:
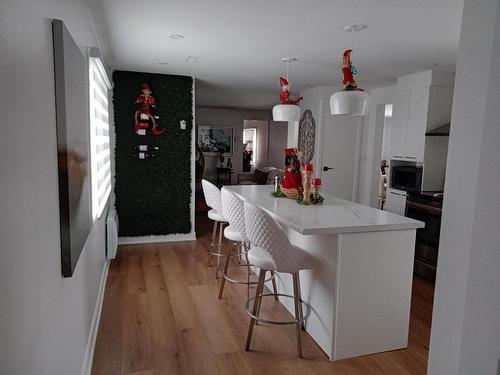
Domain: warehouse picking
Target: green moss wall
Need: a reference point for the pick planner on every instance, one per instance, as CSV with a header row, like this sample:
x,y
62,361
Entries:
x,y
153,196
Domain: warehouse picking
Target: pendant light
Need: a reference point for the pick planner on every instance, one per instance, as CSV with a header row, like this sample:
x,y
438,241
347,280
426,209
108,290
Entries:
x,y
352,100
288,110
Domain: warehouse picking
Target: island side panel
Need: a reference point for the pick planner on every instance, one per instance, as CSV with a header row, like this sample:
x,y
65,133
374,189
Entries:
x,y
373,280
317,285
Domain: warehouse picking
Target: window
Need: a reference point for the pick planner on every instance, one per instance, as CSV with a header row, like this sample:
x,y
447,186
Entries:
x,y
100,155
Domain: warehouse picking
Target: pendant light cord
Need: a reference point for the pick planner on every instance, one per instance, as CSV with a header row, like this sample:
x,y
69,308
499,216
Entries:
x,y
286,62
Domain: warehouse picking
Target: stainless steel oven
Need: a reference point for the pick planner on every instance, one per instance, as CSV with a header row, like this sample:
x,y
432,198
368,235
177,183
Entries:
x,y
426,207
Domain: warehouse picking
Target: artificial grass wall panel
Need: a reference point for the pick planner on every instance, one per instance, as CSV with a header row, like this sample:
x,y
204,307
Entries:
x,y
153,196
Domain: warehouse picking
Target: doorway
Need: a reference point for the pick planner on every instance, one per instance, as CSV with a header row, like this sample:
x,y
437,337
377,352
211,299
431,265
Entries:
x,y
340,153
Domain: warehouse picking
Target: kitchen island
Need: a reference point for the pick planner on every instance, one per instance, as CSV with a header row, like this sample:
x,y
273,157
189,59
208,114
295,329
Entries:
x,y
359,287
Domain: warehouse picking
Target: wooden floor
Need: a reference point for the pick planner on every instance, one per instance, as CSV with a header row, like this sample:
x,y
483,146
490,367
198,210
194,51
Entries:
x,y
161,315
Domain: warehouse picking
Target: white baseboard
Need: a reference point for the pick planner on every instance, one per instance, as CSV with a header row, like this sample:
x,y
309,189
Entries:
x,y
89,350
153,239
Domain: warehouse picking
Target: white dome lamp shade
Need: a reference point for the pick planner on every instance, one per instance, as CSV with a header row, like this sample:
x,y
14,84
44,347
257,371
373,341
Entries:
x,y
351,101
288,110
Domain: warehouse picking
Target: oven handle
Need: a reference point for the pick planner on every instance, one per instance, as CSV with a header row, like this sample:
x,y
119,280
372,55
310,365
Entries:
x,y
418,206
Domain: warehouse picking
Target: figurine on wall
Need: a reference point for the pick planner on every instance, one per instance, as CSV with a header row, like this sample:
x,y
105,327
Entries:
x,y
285,93
349,71
144,115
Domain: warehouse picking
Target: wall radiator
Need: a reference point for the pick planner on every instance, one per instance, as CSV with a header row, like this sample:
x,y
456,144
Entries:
x,y
112,233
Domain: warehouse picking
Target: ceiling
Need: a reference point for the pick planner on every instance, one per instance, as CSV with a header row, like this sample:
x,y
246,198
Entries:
x,y
238,44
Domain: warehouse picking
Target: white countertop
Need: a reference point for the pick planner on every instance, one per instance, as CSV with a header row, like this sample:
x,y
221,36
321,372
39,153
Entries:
x,y
335,215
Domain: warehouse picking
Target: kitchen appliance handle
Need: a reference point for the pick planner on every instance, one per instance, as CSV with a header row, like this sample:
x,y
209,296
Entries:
x,y
423,207
402,194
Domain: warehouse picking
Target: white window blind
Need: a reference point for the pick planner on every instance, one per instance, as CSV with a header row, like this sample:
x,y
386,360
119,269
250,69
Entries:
x,y
100,155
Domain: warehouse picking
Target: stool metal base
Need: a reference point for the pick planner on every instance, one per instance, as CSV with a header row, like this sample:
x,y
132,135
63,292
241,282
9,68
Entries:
x,y
298,302
278,322
218,254
229,255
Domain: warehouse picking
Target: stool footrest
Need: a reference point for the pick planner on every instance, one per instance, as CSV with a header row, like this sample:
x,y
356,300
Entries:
x,y
278,322
246,282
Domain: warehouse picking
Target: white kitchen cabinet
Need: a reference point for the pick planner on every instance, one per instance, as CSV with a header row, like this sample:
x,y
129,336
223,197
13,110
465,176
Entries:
x,y
423,102
399,123
395,201
418,110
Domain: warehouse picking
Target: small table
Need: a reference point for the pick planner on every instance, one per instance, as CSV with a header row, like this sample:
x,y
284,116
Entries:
x,y
224,176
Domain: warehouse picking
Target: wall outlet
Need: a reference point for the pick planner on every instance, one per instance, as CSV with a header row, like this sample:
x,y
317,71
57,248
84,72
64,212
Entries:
x,y
183,124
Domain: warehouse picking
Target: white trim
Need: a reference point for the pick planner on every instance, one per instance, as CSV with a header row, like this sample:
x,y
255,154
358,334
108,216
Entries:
x,y
178,237
94,327
193,159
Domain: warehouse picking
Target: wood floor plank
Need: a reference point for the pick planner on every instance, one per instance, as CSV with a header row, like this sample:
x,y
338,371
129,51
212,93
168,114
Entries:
x,y
161,315
166,357
214,320
136,344
108,347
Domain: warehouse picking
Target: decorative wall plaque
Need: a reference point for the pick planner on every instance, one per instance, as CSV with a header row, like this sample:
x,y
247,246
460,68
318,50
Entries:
x,y
307,132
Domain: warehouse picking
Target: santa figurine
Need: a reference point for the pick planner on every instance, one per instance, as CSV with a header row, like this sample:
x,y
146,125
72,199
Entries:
x,y
285,93
146,103
349,71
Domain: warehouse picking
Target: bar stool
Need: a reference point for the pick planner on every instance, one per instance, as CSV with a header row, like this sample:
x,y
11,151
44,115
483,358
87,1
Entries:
x,y
272,251
213,199
233,211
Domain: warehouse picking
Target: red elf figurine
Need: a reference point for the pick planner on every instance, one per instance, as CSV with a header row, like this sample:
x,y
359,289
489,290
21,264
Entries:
x,y
285,93
146,103
349,71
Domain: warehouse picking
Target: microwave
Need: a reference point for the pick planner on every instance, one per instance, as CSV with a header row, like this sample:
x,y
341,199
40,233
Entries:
x,y
407,178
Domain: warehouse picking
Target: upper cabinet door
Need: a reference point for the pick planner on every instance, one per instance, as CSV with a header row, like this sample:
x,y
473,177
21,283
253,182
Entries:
x,y
417,119
399,123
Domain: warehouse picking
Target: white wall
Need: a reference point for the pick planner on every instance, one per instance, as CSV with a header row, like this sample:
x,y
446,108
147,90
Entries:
x,y
317,100
277,143
465,337
312,101
45,320
228,117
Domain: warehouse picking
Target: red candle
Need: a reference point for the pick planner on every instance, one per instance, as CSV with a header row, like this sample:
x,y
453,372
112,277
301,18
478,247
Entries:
x,y
308,167
316,182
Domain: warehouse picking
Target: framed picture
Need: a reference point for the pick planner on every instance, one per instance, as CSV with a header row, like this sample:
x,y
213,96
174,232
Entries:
x,y
73,140
214,139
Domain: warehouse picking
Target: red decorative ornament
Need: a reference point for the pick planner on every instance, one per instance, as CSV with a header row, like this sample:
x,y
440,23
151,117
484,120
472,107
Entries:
x,y
143,116
285,93
308,167
316,181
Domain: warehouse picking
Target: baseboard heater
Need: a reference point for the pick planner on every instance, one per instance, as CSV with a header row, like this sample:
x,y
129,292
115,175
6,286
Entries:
x,y
111,234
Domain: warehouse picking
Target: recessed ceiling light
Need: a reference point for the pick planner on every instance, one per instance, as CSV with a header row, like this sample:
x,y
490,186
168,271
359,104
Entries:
x,y
176,36
163,63
289,59
191,59
355,28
